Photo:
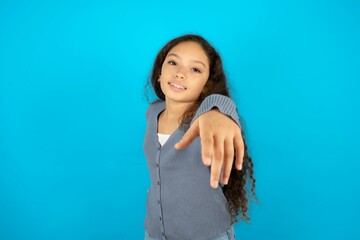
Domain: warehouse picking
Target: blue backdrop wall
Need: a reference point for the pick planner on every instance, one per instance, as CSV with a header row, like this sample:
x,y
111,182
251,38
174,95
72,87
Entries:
x,y
72,112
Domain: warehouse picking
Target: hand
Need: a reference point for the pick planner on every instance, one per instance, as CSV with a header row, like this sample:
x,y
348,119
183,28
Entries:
x,y
219,135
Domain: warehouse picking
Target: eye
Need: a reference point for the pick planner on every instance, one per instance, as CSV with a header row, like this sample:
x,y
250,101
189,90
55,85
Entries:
x,y
172,62
196,70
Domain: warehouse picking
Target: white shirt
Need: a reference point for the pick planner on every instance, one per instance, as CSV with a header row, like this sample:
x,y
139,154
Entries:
x,y
163,138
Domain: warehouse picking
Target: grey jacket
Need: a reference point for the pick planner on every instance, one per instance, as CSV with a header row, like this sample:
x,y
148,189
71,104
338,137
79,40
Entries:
x,y
181,204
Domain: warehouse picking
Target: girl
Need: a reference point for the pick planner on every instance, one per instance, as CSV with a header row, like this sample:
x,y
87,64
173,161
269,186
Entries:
x,y
188,78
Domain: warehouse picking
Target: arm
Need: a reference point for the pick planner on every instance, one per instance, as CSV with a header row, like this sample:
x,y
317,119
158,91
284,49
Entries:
x,y
223,103
220,134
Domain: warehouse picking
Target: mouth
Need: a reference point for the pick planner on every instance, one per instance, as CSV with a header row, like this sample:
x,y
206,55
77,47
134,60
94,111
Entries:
x,y
177,86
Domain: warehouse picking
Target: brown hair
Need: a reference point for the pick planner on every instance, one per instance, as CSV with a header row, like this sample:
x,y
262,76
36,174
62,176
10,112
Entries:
x,y
236,189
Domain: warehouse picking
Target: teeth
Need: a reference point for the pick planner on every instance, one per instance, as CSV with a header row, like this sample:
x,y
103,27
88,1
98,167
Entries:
x,y
177,86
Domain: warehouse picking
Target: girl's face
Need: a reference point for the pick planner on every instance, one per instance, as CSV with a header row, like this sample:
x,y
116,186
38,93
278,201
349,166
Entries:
x,y
184,72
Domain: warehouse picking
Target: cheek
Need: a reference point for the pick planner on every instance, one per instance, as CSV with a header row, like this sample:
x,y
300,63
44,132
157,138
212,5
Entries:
x,y
204,80
203,84
163,75
162,83
165,68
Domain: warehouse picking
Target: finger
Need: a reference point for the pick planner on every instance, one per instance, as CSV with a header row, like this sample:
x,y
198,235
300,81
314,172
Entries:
x,y
239,146
217,162
228,160
189,136
219,148
207,147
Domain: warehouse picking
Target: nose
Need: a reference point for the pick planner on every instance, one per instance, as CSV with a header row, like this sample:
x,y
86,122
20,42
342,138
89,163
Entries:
x,y
180,75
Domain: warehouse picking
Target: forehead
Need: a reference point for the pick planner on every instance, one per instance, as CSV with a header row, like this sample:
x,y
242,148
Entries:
x,y
190,51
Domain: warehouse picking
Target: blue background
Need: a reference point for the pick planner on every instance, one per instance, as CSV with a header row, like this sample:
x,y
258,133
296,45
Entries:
x,y
72,112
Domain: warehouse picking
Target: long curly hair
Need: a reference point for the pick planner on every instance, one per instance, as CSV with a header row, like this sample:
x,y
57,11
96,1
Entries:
x,y
237,188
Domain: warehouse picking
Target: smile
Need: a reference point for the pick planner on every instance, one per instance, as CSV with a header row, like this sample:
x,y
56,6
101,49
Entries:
x,y
177,86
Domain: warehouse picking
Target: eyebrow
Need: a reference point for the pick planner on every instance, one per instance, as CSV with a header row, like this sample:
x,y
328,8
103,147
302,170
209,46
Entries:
x,y
173,54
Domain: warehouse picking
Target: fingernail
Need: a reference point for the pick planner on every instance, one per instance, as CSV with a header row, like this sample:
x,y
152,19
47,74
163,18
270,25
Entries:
x,y
226,180
214,184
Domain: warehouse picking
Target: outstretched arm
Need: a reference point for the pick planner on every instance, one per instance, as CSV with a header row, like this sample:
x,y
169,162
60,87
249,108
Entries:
x,y
217,123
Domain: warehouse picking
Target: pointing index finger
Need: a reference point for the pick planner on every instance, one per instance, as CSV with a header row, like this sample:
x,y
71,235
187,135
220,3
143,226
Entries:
x,y
188,137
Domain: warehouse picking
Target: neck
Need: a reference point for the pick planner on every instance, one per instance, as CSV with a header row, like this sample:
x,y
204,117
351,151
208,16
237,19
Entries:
x,y
174,110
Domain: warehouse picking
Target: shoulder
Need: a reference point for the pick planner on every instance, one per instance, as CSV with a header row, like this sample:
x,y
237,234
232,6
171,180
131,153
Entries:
x,y
154,106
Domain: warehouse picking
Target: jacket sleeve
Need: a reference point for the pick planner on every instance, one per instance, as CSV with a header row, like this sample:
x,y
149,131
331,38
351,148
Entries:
x,y
225,105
